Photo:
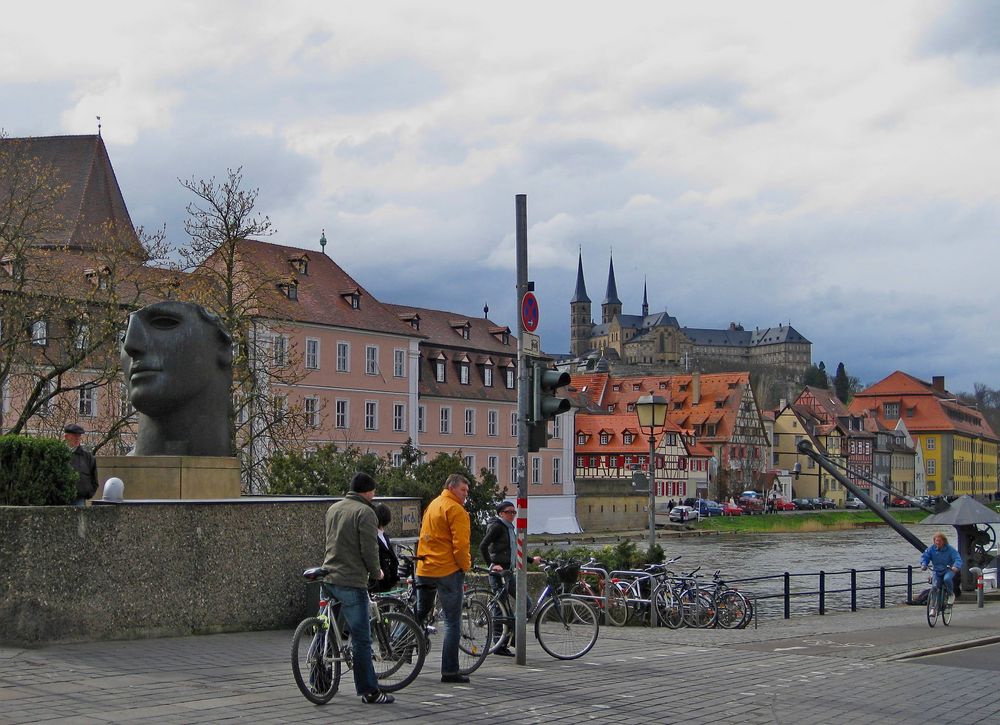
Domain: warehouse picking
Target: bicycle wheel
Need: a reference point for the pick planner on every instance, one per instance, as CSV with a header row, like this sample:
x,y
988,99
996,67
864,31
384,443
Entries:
x,y
617,611
731,609
945,610
476,636
391,603
566,628
317,672
667,607
397,650
500,615
696,608
933,606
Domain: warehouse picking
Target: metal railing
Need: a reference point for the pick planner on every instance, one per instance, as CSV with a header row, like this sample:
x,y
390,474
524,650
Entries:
x,y
840,595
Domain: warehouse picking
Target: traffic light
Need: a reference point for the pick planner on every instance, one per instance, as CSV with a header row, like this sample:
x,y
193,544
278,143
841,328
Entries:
x,y
543,405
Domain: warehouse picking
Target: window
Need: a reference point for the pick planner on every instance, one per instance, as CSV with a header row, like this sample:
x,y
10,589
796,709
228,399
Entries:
x,y
343,357
492,422
509,379
470,463
398,417
890,410
371,415
581,439
279,350
421,419
931,467
399,363
579,461
280,406
397,460
557,427
445,419
557,471
125,409
931,443
513,469
463,373
342,414
312,353
470,421
513,424
311,405
492,464
605,439
40,333
488,376
536,470
439,371
87,403
627,438
371,360
82,336
290,290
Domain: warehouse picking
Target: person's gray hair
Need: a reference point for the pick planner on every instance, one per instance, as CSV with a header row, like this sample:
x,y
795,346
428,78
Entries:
x,y
456,479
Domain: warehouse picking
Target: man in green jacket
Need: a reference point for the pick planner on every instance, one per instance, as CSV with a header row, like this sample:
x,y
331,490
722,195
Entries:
x,y
352,559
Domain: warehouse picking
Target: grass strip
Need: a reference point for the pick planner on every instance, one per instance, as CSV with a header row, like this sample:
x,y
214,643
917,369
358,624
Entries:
x,y
811,521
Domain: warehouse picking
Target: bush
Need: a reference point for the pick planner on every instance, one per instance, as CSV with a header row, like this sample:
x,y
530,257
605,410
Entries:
x,y
35,472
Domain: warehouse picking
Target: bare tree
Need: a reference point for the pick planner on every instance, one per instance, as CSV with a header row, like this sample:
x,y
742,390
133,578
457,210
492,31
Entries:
x,y
222,222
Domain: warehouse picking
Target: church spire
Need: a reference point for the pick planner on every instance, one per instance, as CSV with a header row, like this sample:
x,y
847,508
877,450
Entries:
x,y
611,296
645,301
581,287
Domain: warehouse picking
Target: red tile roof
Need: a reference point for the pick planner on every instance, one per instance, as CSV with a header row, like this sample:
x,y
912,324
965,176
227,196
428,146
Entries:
x,y
616,425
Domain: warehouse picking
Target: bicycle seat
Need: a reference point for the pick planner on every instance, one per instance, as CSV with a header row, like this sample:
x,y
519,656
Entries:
x,y
317,572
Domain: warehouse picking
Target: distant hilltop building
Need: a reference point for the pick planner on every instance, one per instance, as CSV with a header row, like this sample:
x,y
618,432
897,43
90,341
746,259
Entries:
x,y
659,340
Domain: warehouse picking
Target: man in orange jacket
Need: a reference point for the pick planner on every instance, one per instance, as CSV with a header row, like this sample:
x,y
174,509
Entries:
x,y
443,558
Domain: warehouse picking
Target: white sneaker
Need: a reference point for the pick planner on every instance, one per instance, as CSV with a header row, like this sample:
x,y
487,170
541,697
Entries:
x,y
951,599
931,612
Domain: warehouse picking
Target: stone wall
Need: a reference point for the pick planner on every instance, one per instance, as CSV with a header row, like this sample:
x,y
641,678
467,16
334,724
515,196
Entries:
x,y
162,569
610,505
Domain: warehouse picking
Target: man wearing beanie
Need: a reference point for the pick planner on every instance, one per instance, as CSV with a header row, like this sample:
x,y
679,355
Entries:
x,y
352,559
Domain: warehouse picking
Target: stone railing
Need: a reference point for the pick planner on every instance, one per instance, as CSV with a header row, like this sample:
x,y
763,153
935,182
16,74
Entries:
x,y
148,569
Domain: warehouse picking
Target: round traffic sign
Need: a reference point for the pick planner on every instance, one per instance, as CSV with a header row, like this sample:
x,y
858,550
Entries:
x,y
529,311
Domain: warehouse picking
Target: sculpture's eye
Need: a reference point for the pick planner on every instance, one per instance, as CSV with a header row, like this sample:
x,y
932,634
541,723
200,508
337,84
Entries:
x,y
164,322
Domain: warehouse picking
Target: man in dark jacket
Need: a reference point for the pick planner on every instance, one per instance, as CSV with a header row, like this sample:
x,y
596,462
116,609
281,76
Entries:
x,y
83,463
351,560
497,549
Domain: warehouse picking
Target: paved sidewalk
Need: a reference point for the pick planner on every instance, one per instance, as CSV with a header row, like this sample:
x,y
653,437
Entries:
x,y
832,669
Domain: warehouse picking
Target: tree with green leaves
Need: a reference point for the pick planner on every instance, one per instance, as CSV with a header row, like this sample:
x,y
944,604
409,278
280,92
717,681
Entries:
x,y
842,384
816,376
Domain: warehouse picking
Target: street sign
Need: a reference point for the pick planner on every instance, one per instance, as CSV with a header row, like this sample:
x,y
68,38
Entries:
x,y
531,344
529,312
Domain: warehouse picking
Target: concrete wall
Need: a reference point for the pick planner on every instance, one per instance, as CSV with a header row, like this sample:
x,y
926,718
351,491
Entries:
x,y
162,569
609,505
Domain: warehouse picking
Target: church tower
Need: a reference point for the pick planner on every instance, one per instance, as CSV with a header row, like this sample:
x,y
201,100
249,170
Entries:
x,y
645,300
580,322
612,306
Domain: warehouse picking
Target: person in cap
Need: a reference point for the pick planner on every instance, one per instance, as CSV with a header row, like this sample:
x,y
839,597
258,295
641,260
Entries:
x,y
352,560
83,463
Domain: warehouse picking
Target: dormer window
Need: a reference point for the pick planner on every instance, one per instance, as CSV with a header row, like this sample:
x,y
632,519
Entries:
x,y
12,266
630,408
289,289
605,438
627,438
462,327
411,318
352,297
636,386
440,368
509,377
463,370
300,264
611,408
502,334
488,374
98,277
663,385
616,388
581,439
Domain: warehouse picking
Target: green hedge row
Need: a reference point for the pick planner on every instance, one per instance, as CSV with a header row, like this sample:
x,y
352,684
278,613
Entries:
x,y
35,472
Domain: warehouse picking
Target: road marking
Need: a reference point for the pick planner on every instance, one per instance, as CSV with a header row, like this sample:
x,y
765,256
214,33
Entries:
x,y
785,649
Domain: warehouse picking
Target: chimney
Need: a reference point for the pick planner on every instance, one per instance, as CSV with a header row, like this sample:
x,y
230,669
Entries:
x,y
782,404
937,382
695,387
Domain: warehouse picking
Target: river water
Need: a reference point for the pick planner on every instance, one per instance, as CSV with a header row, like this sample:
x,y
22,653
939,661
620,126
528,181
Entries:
x,y
740,556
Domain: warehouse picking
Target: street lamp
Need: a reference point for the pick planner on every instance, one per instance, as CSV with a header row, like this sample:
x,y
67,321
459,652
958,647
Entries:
x,y
651,410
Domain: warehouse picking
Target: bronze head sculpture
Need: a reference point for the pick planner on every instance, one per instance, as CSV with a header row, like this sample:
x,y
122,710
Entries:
x,y
177,359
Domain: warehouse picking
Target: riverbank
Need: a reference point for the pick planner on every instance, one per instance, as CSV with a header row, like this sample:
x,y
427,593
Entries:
x,y
803,522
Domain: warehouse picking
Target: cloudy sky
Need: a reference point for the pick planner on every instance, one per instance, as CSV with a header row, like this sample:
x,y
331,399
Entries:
x,y
832,165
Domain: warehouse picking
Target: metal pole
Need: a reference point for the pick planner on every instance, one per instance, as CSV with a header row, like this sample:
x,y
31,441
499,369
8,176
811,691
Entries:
x,y
881,587
854,590
652,491
788,596
822,592
521,574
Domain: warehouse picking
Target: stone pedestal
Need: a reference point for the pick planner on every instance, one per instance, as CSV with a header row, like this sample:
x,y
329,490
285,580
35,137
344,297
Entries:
x,y
172,477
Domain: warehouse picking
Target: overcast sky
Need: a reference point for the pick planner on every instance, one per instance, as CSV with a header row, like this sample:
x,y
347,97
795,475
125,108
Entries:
x,y
834,165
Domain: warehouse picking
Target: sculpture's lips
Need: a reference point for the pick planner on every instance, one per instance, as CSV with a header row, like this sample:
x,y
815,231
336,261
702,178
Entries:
x,y
142,373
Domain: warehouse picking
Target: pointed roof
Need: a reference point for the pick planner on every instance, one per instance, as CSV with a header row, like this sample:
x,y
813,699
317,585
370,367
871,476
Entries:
x,y
645,299
90,197
580,295
611,296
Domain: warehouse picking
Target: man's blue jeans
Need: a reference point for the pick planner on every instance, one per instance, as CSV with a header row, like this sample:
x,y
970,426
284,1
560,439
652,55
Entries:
x,y
354,609
948,576
449,590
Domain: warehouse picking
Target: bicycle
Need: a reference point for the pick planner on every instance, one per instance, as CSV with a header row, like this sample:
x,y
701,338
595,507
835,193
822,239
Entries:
x,y
566,625
605,595
321,648
939,604
476,624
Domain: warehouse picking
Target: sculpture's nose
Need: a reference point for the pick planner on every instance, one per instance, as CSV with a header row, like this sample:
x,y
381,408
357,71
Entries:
x,y
135,341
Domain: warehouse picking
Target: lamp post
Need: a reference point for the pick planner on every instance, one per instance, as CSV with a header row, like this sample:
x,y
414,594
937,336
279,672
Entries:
x,y
651,410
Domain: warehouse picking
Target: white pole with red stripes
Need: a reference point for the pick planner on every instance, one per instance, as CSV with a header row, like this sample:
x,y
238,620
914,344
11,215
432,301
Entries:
x,y
521,574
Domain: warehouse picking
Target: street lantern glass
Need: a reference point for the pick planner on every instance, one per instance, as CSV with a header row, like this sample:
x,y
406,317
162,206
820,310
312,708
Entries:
x,y
651,411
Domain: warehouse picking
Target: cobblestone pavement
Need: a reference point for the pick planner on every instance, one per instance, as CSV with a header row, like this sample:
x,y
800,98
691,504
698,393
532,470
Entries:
x,y
832,669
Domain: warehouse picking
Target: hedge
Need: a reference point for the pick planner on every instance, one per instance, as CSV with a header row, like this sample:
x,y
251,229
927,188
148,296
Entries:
x,y
35,472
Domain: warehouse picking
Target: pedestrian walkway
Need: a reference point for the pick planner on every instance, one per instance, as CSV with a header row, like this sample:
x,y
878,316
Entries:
x,y
815,669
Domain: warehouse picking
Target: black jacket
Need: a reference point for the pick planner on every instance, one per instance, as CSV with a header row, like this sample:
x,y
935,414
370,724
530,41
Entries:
x,y
85,464
389,563
495,546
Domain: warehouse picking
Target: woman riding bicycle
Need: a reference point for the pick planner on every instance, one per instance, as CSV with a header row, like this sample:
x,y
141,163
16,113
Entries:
x,y
946,563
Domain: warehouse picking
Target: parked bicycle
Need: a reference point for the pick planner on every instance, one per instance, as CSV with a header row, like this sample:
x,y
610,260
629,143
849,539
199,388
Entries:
x,y
597,588
566,625
321,647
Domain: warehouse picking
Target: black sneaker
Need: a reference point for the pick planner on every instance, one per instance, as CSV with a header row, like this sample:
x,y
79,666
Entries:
x,y
504,652
456,678
378,698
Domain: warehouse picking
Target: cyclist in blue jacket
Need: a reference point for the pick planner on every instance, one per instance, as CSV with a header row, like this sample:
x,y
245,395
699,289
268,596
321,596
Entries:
x,y
946,563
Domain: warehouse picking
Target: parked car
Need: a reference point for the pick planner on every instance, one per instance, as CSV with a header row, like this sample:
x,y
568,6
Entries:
x,y
901,502
803,504
854,503
780,504
824,503
683,514
731,509
708,508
